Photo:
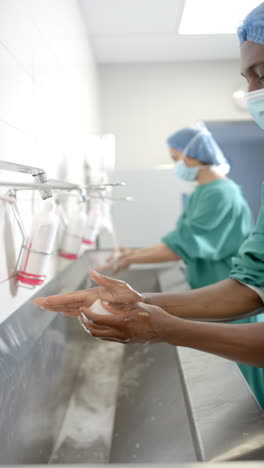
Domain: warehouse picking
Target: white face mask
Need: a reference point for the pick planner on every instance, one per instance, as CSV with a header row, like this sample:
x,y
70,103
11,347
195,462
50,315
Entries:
x,y
186,173
255,105
181,170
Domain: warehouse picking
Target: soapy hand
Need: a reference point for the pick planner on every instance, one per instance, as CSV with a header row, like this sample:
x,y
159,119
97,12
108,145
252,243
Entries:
x,y
119,259
121,263
111,290
117,253
114,261
133,323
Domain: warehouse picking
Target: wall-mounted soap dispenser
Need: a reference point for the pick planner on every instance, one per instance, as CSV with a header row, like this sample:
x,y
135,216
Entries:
x,y
74,232
99,219
32,268
93,224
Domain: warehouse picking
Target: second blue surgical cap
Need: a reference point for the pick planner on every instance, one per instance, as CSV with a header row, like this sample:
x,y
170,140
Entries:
x,y
252,28
203,148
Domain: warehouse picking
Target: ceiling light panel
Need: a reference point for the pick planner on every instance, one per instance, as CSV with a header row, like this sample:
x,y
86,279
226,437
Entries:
x,y
214,16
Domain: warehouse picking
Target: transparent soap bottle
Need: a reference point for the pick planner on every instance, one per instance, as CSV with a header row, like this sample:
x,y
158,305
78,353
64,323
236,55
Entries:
x,y
39,245
73,236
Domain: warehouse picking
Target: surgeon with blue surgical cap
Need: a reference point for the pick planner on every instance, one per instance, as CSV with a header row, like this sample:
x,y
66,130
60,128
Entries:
x,y
215,221
197,143
163,317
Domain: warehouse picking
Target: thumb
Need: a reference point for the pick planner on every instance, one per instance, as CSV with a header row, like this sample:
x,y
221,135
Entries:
x,y
102,280
118,290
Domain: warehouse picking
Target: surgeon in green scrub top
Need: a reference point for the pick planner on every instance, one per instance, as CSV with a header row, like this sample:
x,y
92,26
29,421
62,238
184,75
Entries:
x,y
215,221
148,317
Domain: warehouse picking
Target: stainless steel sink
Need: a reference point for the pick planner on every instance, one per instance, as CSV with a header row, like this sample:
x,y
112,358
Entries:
x,y
68,398
151,422
133,396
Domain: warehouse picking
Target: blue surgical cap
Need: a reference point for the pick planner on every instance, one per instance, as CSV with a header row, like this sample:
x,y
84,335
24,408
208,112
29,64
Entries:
x,y
203,148
252,28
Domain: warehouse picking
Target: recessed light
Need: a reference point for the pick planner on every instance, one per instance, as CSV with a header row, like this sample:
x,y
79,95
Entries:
x,y
214,16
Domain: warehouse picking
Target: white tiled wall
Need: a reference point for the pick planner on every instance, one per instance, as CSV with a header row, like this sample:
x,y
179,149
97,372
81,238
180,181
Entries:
x,y
48,107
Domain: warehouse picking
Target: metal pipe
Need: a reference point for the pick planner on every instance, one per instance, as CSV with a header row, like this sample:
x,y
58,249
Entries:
x,y
128,199
27,186
16,167
58,186
38,173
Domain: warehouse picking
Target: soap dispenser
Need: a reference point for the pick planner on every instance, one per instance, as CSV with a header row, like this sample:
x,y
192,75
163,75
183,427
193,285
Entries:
x,y
92,225
73,235
39,245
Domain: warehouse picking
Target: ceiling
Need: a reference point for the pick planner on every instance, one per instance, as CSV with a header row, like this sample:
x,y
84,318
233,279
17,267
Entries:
x,y
129,31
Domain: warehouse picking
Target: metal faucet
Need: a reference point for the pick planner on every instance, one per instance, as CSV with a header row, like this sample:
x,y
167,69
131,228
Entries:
x,y
39,175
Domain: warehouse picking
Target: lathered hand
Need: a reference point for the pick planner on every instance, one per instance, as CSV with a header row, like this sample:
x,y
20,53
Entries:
x,y
133,323
111,290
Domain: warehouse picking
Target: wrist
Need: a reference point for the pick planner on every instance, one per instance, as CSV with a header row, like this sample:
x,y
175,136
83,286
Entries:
x,y
177,332
129,259
147,298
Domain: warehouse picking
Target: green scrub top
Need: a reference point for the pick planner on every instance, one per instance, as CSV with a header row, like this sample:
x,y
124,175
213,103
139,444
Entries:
x,y
248,267
215,222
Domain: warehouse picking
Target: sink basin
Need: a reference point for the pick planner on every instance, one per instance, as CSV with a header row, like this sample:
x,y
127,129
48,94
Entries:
x,y
68,398
128,404
151,421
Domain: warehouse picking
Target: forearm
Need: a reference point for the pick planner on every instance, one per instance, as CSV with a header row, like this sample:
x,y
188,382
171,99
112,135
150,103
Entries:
x,y
155,254
240,343
225,299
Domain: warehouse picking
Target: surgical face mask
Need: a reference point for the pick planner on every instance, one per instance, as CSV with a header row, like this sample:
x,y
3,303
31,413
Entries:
x,y
185,172
255,105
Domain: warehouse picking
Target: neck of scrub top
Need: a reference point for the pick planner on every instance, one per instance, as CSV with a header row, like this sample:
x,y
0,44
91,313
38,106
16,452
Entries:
x,y
208,174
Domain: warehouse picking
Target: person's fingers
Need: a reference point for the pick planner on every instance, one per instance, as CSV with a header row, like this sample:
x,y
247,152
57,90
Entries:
x,y
115,268
115,290
103,268
113,320
121,249
71,312
120,265
102,332
68,312
40,301
117,308
62,299
113,340
91,325
58,307
110,258
108,336
105,281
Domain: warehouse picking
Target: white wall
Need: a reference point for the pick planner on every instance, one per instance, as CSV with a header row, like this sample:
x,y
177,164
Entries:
x,y
48,107
143,104
157,204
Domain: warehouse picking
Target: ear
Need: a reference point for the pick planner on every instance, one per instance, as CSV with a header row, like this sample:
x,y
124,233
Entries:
x,y
191,162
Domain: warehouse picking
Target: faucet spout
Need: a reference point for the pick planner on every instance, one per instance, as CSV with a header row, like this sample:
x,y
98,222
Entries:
x,y
40,176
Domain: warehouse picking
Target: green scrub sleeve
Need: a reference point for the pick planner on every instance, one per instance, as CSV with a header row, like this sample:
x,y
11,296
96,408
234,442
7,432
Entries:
x,y
204,230
248,266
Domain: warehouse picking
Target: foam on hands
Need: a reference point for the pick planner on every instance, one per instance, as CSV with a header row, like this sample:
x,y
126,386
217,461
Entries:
x,y
98,308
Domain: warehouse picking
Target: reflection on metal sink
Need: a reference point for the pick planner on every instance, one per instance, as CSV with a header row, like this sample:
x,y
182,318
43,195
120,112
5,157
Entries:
x,y
67,398
146,418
